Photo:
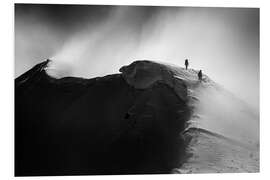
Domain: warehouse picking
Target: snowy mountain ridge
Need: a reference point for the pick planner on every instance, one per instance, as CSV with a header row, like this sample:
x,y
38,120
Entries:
x,y
143,74
224,131
168,104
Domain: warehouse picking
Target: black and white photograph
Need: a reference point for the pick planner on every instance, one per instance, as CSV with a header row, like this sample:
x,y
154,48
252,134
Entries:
x,y
136,89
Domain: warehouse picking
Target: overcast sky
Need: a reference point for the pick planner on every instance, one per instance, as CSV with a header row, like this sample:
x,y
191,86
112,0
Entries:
x,y
89,41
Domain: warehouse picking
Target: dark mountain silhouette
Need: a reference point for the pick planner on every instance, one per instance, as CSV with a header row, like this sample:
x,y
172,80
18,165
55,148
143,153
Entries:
x,y
151,118
98,126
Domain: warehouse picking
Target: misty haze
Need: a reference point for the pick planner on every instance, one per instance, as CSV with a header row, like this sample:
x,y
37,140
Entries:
x,y
102,90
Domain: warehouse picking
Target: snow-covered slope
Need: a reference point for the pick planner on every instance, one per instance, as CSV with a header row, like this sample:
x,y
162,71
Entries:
x,y
152,118
222,134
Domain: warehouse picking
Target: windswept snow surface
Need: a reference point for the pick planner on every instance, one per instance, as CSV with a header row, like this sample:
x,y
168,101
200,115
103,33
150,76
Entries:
x,y
223,131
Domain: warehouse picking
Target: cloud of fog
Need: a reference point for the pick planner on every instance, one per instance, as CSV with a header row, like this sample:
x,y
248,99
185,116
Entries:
x,y
100,50
223,42
222,113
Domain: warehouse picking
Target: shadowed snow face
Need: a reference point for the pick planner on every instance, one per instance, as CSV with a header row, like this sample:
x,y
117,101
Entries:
x,y
142,74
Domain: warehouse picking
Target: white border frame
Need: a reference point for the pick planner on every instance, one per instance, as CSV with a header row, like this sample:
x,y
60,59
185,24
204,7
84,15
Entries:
x,y
7,84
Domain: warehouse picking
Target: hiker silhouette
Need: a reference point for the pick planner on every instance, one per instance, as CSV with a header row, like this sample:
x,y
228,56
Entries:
x,y
200,75
186,63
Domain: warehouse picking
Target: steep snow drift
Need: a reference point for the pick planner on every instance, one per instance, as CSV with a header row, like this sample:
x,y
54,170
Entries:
x,y
222,133
212,153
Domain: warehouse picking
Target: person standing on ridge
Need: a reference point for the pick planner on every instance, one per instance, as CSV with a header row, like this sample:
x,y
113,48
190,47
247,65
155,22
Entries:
x,y
200,75
186,63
